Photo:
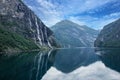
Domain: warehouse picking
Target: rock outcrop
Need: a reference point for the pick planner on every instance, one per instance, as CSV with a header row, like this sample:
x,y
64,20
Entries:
x,y
109,36
16,17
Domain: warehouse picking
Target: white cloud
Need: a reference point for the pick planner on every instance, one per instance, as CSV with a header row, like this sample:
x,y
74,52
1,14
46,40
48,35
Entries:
x,y
76,20
101,22
51,12
91,4
116,14
93,22
48,13
80,6
45,4
95,71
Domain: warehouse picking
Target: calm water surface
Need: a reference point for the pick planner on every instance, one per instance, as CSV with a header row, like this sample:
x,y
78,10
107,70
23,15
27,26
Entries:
x,y
62,64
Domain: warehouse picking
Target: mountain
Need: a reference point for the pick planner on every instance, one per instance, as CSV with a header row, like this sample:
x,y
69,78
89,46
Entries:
x,y
12,42
70,34
17,19
109,36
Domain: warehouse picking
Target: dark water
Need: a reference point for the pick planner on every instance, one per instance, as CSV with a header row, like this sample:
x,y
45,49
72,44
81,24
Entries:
x,y
62,64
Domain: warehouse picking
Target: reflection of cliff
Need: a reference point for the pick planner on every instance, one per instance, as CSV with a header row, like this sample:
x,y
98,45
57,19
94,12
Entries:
x,y
27,66
67,60
111,58
42,62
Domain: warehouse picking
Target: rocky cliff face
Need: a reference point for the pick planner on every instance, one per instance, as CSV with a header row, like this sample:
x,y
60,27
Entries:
x,y
18,18
109,36
70,34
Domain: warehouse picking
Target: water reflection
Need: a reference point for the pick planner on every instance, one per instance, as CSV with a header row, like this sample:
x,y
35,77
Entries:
x,y
62,64
67,60
42,62
26,66
94,71
85,64
111,58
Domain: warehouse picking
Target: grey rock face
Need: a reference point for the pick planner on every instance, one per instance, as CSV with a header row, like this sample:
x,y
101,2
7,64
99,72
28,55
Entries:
x,y
20,19
70,34
109,36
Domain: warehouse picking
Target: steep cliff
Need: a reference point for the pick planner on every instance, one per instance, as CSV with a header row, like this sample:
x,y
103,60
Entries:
x,y
16,17
109,36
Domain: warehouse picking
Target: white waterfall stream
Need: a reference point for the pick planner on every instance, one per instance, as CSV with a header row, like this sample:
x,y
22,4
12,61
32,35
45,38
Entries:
x,y
42,36
38,32
30,24
49,53
49,44
47,38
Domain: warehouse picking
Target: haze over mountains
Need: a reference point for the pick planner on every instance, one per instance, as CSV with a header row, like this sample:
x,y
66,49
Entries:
x,y
69,34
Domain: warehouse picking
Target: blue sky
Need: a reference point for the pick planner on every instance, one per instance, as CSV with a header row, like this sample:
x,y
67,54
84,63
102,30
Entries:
x,y
93,13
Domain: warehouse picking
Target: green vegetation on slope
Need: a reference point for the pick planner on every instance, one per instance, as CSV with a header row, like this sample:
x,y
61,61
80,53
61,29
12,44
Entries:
x,y
13,42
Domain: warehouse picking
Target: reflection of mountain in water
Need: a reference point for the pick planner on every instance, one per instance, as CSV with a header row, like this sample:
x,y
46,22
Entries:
x,y
42,62
27,66
111,58
67,60
33,65
85,64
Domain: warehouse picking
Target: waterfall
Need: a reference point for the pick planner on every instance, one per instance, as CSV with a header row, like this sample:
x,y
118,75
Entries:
x,y
42,36
47,38
38,32
32,30
46,33
49,44
30,24
49,53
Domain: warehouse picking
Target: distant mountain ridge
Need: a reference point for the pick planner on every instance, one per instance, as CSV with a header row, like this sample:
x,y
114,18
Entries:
x,y
17,18
109,36
70,34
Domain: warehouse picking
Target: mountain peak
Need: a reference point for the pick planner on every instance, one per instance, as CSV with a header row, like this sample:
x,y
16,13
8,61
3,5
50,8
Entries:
x,y
65,22
68,34
70,23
